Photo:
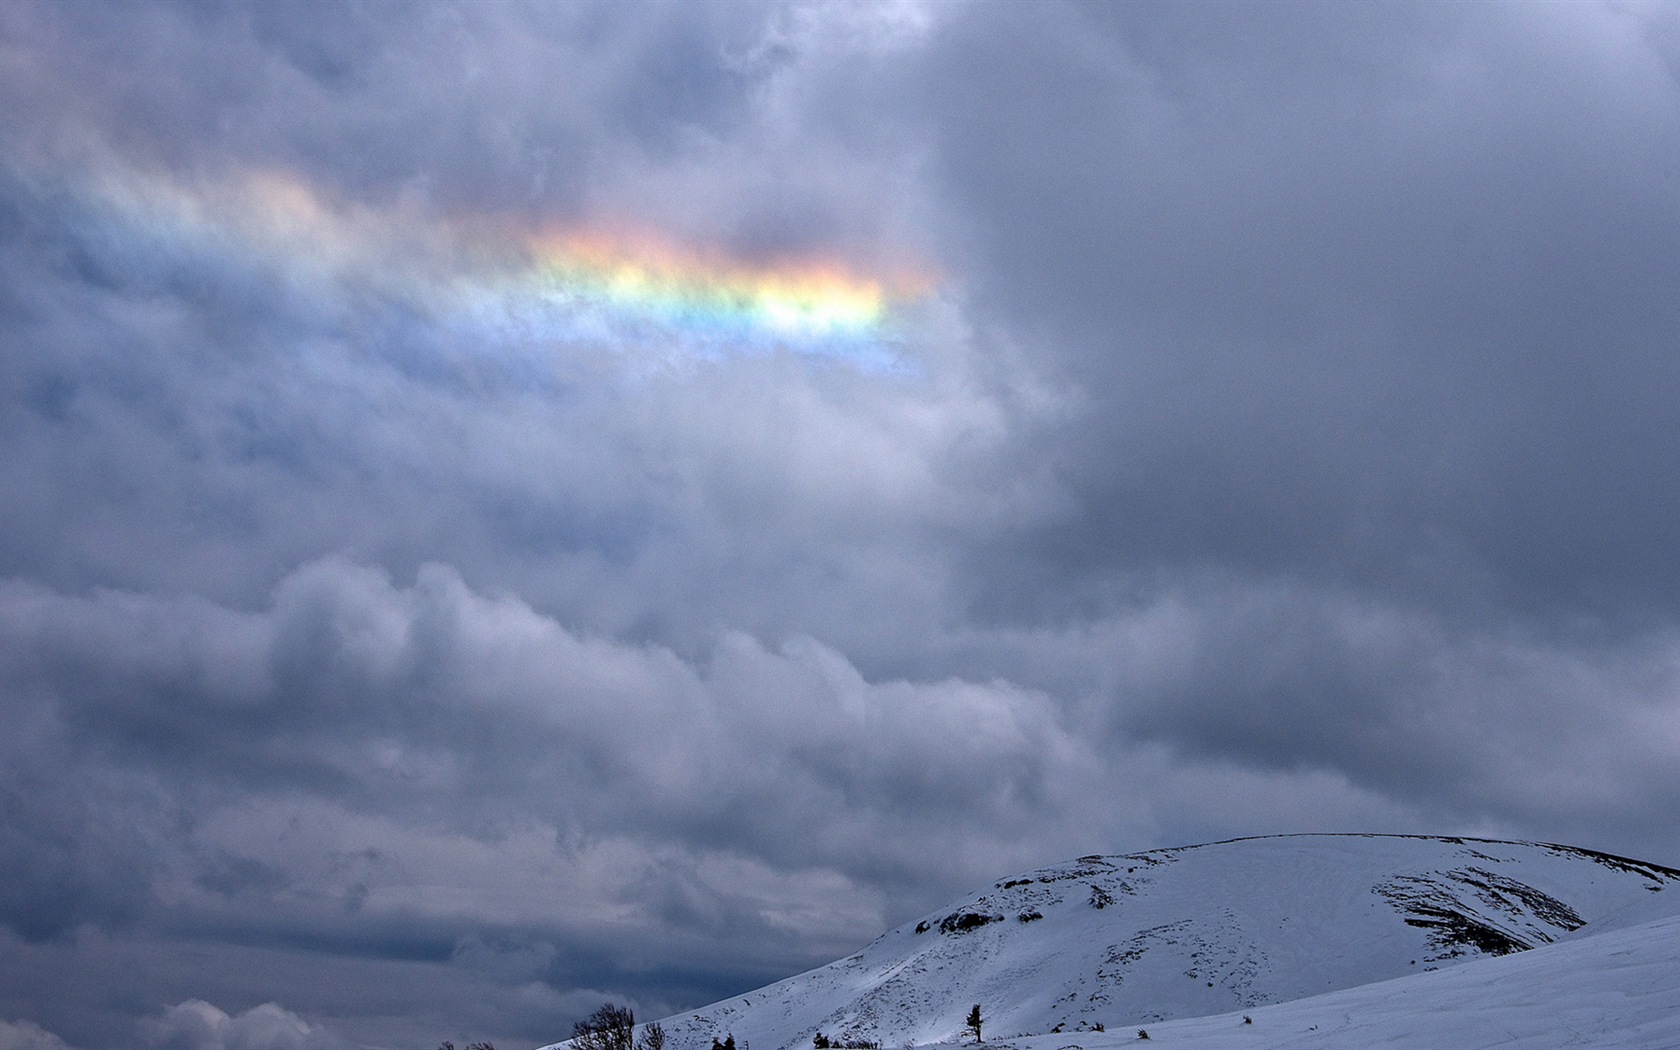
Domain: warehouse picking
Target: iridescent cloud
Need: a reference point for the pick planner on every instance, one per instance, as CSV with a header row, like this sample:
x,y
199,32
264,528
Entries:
x,y
642,291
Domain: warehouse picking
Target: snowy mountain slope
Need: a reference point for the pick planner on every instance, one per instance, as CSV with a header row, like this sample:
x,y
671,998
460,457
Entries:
x,y
1615,989
1195,931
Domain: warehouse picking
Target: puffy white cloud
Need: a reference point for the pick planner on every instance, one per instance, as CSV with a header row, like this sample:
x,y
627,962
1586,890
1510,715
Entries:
x,y
197,1025
27,1035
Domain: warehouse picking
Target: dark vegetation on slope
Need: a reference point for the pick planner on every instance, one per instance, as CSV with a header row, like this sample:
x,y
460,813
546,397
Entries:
x,y
962,922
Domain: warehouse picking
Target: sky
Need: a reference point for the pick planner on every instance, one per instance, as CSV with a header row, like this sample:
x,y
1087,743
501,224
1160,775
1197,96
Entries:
x,y
513,506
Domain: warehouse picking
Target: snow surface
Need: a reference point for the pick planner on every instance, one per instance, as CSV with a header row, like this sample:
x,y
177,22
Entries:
x,y
1619,989
1418,942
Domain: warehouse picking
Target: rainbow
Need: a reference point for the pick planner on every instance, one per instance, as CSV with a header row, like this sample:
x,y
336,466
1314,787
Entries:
x,y
595,286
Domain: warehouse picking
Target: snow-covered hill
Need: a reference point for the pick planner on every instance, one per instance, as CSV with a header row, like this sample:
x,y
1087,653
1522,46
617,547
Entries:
x,y
1129,941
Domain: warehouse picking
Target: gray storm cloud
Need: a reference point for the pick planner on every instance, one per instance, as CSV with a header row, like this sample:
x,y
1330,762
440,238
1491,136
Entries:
x,y
362,691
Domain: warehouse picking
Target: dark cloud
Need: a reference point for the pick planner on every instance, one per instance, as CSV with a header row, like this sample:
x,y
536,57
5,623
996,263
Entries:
x,y
1381,301
66,859
1280,447
383,698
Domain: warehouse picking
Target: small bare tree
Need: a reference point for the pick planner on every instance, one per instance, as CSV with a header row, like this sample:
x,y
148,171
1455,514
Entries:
x,y
611,1027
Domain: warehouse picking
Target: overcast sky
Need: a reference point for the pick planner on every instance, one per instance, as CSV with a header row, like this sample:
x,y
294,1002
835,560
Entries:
x,y
1271,426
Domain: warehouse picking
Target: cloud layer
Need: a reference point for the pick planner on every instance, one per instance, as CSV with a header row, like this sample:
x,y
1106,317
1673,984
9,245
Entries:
x,y
1281,446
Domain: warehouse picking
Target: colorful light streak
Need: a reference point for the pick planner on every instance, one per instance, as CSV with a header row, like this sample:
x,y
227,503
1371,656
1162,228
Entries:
x,y
570,286
802,299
